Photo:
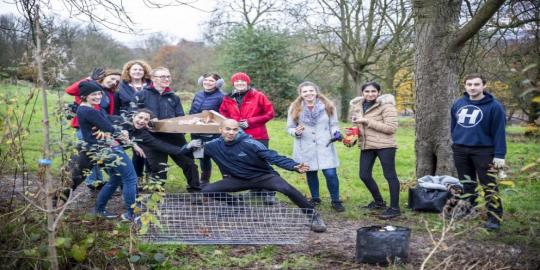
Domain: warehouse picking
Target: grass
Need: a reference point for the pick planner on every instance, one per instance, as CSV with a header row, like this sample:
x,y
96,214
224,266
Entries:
x,y
522,215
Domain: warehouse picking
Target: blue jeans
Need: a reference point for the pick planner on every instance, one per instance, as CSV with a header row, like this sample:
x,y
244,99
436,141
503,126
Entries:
x,y
95,173
332,182
121,174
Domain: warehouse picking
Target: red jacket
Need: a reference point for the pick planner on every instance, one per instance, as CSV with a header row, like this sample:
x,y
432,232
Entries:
x,y
73,90
255,108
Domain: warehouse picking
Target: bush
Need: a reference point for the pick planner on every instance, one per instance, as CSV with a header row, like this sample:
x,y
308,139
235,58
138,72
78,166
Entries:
x,y
532,130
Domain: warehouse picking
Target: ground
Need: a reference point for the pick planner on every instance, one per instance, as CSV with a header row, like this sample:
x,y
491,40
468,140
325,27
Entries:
x,y
336,248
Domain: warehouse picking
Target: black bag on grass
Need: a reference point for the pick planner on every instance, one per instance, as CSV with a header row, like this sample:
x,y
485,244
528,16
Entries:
x,y
429,200
377,245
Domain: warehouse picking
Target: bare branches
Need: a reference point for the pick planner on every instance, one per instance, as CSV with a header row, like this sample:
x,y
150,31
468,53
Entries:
x,y
109,14
246,13
474,25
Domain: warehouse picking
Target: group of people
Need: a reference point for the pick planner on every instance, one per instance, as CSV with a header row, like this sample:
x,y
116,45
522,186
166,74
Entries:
x,y
116,108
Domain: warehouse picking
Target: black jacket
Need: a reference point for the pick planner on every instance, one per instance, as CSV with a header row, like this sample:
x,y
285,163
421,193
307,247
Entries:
x,y
124,96
165,105
150,142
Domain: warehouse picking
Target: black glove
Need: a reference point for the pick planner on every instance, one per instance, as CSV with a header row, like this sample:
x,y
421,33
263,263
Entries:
x,y
73,107
97,73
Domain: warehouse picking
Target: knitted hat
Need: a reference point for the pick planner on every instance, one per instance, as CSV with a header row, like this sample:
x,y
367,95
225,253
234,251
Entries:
x,y
240,76
88,87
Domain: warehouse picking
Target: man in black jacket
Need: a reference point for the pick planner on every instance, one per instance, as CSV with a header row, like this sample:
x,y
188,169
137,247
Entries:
x,y
245,164
163,103
156,150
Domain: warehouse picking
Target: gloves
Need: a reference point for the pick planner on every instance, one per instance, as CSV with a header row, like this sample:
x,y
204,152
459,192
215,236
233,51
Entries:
x,y
97,73
243,124
337,136
194,144
498,163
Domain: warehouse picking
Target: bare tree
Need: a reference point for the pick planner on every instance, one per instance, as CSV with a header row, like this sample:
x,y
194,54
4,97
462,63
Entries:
x,y
356,35
439,39
229,14
110,14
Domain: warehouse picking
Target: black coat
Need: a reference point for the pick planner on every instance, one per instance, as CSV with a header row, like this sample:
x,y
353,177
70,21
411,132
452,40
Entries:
x,y
164,106
150,143
123,97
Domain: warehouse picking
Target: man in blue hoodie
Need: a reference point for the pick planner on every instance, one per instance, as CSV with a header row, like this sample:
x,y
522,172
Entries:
x,y
479,143
246,164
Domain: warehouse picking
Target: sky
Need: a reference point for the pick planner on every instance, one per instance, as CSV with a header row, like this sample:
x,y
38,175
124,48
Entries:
x,y
177,21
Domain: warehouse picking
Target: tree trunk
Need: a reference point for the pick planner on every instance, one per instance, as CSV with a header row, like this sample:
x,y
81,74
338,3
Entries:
x,y
438,42
345,92
436,81
45,163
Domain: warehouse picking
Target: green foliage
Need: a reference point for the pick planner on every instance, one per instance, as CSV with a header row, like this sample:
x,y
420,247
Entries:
x,y
265,56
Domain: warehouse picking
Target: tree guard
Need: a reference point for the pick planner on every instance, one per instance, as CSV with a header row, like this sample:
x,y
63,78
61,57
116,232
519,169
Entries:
x,y
220,218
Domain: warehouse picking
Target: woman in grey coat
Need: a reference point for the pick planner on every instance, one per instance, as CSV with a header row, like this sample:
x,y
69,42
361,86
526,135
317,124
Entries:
x,y
312,121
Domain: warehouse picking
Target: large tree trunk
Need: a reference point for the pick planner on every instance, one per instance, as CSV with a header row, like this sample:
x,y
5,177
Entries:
x,y
438,42
436,77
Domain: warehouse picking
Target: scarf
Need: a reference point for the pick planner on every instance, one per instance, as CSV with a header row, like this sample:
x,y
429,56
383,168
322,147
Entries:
x,y
367,104
310,117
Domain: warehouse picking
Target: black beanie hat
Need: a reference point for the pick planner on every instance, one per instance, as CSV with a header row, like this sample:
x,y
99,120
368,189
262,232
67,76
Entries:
x,y
88,87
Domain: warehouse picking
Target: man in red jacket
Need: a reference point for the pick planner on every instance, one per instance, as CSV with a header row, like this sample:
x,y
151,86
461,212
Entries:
x,y
252,109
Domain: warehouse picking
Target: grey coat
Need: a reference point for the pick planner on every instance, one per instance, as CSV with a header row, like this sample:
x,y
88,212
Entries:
x,y
310,147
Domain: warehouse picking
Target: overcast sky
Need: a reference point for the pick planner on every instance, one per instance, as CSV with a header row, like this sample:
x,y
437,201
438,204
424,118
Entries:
x,y
180,22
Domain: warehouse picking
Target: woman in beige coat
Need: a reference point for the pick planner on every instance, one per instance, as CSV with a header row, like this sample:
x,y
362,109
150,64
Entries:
x,y
376,117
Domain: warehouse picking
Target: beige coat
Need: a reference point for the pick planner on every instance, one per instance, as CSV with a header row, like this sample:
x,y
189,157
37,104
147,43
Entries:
x,y
379,132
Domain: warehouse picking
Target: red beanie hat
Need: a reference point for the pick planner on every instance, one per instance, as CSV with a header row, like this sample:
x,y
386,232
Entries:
x,y
240,76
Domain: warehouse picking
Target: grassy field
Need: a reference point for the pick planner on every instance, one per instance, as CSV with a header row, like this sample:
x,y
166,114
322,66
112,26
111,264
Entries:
x,y
522,214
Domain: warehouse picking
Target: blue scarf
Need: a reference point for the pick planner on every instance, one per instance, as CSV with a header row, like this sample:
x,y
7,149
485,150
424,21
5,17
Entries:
x,y
310,117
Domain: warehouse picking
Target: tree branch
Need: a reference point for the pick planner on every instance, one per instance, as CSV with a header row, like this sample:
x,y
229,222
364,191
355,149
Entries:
x,y
474,25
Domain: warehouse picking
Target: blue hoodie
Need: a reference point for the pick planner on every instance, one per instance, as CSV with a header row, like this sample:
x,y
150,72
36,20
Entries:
x,y
245,158
479,123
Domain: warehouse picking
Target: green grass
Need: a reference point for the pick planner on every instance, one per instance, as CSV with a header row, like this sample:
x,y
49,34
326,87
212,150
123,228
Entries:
x,y
522,214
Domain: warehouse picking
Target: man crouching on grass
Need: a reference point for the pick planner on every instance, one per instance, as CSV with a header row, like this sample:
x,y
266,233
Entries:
x,y
245,164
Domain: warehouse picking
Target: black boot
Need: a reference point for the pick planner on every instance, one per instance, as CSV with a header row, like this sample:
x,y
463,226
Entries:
x,y
205,178
390,213
493,222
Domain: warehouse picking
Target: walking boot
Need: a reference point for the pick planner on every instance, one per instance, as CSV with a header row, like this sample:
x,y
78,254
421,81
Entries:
x,y
317,223
205,178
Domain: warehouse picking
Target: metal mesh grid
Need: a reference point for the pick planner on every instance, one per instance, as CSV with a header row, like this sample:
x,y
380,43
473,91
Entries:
x,y
219,218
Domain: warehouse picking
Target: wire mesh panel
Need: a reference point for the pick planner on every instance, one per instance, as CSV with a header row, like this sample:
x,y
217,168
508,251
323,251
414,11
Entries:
x,y
220,218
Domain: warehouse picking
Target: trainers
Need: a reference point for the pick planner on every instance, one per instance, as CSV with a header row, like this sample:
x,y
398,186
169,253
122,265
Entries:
x,y
338,206
315,201
317,224
390,212
375,205
105,214
269,199
493,223
126,217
